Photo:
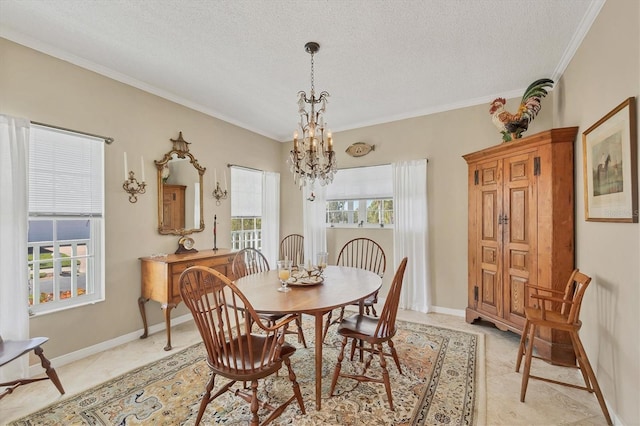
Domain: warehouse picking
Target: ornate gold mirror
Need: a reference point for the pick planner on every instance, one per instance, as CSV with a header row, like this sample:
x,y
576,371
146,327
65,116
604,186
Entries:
x,y
180,192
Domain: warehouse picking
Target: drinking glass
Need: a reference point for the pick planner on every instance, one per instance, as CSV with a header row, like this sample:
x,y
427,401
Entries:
x,y
322,260
284,272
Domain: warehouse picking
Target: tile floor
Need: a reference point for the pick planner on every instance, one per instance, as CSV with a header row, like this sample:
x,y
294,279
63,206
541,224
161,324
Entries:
x,y
546,404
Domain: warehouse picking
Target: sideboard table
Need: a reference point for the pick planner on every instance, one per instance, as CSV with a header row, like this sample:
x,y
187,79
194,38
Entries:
x,y
160,279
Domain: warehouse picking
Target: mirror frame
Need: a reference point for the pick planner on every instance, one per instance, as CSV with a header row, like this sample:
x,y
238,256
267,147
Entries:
x,y
180,150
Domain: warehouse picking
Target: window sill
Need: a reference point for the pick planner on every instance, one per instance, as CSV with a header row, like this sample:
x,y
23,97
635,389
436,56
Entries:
x,y
354,226
61,307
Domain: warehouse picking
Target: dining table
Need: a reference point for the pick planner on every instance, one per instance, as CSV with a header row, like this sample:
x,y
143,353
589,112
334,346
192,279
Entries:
x,y
339,286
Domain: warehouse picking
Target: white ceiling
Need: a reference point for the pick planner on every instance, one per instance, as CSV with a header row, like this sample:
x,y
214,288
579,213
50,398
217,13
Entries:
x,y
244,61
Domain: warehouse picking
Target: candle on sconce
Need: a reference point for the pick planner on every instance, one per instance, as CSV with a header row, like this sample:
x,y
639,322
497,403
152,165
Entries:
x,y
225,180
330,141
142,167
126,171
295,141
215,178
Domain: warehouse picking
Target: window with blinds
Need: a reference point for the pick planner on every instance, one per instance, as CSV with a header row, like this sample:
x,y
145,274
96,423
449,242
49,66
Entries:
x,y
361,196
246,208
66,224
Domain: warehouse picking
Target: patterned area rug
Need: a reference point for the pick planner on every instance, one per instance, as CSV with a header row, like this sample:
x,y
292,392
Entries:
x,y
439,386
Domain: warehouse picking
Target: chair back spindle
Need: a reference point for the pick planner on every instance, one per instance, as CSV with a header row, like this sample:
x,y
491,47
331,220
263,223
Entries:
x,y
292,248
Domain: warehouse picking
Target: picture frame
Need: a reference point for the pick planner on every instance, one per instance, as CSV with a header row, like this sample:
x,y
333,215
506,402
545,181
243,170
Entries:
x,y
610,158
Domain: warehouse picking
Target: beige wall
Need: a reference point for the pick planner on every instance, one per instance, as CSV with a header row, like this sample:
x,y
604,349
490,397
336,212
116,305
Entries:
x,y
604,71
52,91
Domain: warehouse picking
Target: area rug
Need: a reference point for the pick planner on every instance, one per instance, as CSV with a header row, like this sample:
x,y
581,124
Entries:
x,y
442,369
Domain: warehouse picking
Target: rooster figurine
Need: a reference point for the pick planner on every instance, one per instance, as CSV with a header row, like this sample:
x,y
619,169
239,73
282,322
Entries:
x,y
513,125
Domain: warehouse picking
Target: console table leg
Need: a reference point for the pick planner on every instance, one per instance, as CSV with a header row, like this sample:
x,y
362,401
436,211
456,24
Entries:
x,y
143,314
167,319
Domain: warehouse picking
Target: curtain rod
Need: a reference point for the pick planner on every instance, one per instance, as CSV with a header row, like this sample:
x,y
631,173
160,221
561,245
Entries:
x,y
107,139
244,167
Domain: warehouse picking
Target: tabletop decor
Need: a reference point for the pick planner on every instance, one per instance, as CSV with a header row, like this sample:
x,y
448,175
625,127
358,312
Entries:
x,y
442,384
609,160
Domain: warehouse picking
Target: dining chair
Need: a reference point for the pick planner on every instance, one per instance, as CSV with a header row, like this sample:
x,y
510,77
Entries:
x,y
251,261
292,248
11,350
363,253
564,319
374,331
233,351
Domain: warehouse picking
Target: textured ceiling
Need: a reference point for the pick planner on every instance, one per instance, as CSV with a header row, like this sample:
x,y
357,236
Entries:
x,y
244,61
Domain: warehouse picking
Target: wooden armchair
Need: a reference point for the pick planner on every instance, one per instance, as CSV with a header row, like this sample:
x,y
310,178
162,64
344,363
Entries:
x,y
233,351
250,261
14,349
375,332
362,253
566,318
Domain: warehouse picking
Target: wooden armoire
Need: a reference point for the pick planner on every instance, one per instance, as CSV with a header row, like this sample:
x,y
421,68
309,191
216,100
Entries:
x,y
173,211
521,230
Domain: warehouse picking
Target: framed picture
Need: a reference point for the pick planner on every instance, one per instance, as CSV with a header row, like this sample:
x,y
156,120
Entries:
x,y
610,157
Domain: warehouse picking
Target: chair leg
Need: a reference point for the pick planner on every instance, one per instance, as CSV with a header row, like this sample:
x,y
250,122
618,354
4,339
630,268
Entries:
x,y
326,325
329,322
385,375
296,386
255,421
527,363
394,354
206,398
300,331
336,371
523,341
591,377
51,372
373,310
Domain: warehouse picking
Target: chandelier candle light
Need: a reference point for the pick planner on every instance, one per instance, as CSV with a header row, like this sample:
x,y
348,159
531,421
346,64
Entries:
x,y
312,157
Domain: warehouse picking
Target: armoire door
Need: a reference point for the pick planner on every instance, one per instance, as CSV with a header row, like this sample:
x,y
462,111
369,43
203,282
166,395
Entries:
x,y
488,192
518,221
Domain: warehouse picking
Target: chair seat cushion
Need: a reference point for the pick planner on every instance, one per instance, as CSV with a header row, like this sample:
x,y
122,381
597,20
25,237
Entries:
x,y
242,359
362,327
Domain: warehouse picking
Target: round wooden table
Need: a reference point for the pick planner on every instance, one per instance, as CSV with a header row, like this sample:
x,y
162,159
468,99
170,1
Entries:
x,y
342,286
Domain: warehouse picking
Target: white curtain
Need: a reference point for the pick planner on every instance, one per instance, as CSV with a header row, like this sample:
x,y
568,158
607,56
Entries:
x,y
410,236
270,216
14,310
314,220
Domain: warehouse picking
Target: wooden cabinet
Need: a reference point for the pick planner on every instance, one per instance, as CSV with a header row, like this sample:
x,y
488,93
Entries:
x,y
173,206
521,229
160,278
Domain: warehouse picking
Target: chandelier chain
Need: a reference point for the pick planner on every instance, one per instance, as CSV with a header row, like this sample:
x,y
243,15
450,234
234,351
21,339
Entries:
x,y
312,78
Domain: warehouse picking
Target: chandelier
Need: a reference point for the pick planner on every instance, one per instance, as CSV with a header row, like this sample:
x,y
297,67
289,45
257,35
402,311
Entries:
x,y
312,157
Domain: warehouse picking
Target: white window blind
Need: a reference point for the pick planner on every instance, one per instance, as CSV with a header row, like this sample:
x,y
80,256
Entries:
x,y
246,192
65,173
361,183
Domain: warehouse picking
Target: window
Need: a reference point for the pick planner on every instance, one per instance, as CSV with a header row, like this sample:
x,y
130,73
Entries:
x,y
246,208
361,197
66,224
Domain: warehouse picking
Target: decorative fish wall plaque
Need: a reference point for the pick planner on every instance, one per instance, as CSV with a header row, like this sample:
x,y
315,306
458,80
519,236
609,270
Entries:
x,y
359,149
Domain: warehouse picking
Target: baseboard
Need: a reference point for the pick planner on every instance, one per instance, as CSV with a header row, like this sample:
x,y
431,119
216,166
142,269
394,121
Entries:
x,y
448,311
36,369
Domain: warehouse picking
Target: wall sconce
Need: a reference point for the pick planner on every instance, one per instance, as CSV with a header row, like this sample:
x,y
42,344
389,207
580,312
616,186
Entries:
x,y
131,185
218,193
